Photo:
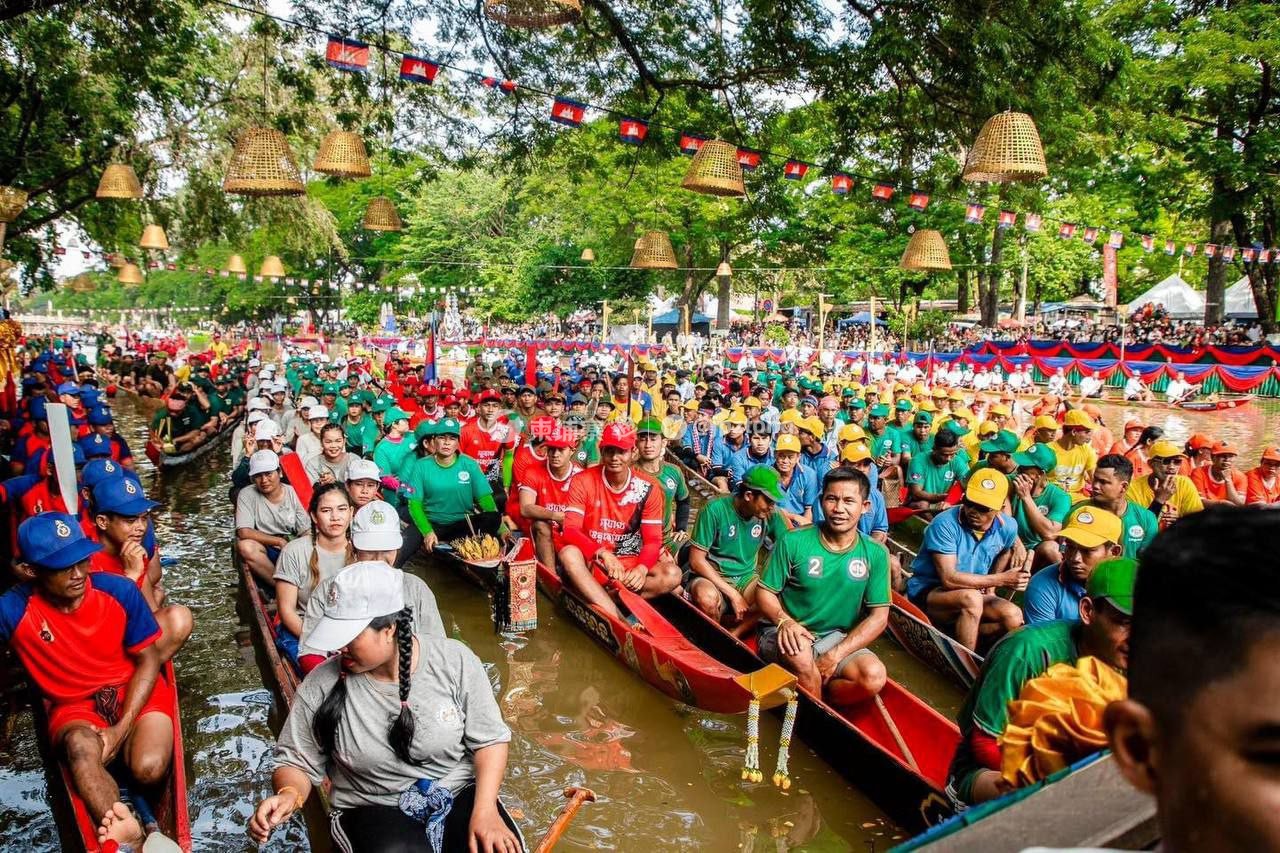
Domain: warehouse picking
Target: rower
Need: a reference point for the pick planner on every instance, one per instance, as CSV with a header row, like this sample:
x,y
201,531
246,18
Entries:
x,y
1090,537
825,597
1219,482
932,475
310,559
358,429
1102,632
1137,390
967,551
702,440
916,441
650,458
102,423
1262,484
393,452
875,521
1111,481
814,453
613,520
88,642
886,447
443,756
308,443
544,493
267,516
799,484
183,423
451,497
330,464
1168,494
1179,390
734,441
759,450
1075,456
726,543
1039,507
490,441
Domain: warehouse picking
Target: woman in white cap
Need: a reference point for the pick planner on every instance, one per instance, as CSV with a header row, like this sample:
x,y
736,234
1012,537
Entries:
x,y
308,444
330,465
268,515
431,780
310,559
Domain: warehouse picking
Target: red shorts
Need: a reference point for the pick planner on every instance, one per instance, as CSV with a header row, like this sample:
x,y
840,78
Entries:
x,y
94,709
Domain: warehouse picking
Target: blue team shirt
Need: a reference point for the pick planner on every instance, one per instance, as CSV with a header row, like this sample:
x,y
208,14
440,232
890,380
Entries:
x,y
742,460
801,493
1048,597
946,535
704,444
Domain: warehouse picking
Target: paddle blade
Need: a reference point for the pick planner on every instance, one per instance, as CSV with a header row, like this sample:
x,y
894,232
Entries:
x,y
64,460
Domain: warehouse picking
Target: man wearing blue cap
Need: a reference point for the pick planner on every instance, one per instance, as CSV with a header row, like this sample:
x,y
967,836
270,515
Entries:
x,y
29,444
102,423
88,642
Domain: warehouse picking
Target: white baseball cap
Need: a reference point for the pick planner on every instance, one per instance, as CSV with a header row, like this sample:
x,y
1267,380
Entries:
x,y
266,430
315,410
307,402
255,417
259,404
363,469
253,362
376,527
355,597
264,374
279,387
263,461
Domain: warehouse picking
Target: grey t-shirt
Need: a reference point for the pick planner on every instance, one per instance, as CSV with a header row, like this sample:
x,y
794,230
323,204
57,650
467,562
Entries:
x,y
294,566
318,463
287,518
417,596
454,708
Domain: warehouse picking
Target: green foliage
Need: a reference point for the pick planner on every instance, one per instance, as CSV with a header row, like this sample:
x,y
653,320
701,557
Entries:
x,y
777,335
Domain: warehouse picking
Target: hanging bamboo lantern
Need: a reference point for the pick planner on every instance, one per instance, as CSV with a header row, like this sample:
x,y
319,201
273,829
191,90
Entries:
x,y
82,284
153,237
588,255
654,252
12,200
343,155
262,165
119,181
724,270
272,267
533,14
1007,149
926,252
130,275
381,215
715,170
235,264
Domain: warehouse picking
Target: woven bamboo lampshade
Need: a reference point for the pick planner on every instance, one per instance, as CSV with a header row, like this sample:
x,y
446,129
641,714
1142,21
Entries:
x,y
381,215
926,252
272,267
1007,149
130,275
12,200
153,237
715,170
262,165
654,252
82,284
235,264
119,181
533,14
588,255
343,155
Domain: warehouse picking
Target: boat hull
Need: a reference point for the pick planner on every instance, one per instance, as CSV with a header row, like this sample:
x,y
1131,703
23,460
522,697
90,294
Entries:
x,y
172,460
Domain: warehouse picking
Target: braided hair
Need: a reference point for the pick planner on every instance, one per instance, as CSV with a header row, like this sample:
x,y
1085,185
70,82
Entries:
x,y
314,507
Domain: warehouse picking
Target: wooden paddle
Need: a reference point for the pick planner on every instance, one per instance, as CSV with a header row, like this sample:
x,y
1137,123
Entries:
x,y
576,796
897,735
63,455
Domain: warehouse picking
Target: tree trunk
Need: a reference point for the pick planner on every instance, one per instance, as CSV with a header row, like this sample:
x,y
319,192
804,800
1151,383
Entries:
x,y
962,291
990,305
1216,280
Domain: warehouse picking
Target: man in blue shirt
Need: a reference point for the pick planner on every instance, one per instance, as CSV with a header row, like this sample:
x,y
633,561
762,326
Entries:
x,y
966,554
814,453
759,451
797,482
874,522
1090,537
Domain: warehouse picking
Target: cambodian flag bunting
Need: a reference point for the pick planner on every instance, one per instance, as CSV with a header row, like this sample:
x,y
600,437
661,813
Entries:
x,y
1210,249
153,265
1170,247
505,86
171,266
85,254
1090,235
918,200
1228,253
1117,239
973,213
689,143
415,69
1066,230
1247,254
841,183
882,192
795,170
567,112
632,130
1006,219
748,159
347,54
1264,256
1032,222
1189,250
59,250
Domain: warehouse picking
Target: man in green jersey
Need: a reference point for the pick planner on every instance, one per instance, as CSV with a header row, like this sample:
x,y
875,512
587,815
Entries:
x,y
825,597
1039,507
1110,492
358,426
1103,632
726,543
651,449
932,475
917,439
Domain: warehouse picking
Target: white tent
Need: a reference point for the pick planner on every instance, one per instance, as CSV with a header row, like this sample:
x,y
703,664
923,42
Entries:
x,y
1238,300
1175,296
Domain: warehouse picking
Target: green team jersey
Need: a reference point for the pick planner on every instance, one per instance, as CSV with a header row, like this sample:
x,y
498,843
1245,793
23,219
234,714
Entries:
x,y
733,542
1140,526
937,479
674,489
191,418
361,436
823,590
1019,657
390,458
448,493
1053,503
886,442
235,395
908,443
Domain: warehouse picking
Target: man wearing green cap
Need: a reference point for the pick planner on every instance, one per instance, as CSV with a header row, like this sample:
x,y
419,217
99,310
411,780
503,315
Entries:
x,y
917,440
1039,507
651,449
360,430
884,442
726,543
997,452
1101,632
394,451
902,423
1089,538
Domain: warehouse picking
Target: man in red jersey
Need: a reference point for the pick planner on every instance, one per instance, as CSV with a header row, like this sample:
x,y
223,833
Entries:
x,y
489,440
545,491
613,520
527,456
87,641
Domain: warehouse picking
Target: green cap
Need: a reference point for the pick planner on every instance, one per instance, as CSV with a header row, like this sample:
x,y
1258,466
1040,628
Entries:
x,y
924,418
424,429
858,403
448,426
904,405
1036,456
1113,580
649,425
879,410
331,388
848,392
381,404
393,414
763,479
959,431
1003,442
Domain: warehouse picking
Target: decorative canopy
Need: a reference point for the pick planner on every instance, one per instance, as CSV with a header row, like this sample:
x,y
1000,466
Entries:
x,y
343,155
119,181
654,252
533,14
926,251
715,170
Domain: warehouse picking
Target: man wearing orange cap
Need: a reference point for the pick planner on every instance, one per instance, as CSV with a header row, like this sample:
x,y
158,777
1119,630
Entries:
x,y
1101,438
1075,455
1128,437
1168,494
1219,482
1198,449
1263,482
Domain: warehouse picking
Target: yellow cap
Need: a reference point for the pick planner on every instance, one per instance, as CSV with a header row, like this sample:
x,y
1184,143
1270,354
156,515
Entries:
x,y
787,442
790,416
987,487
1001,409
988,428
753,401
852,432
855,452
855,386
918,388
813,425
737,416
939,393
964,414
899,387
956,396
1165,450
1045,422
1090,527
1077,418
928,406
690,405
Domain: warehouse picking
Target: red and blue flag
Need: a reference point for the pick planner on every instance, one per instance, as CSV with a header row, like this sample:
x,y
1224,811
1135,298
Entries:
x,y
795,170
415,69
918,200
504,86
632,130
568,112
1032,222
748,159
882,192
1006,219
1066,230
347,54
690,143
974,212
1116,240
841,184
1090,235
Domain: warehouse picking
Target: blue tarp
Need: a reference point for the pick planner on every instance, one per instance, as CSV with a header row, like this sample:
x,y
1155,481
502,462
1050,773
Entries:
x,y
672,318
862,318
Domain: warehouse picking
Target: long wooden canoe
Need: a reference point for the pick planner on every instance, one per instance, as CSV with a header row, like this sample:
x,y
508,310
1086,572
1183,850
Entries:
x,y
78,829
163,460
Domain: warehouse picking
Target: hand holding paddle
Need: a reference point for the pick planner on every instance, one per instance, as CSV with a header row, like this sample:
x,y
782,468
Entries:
x,y
577,796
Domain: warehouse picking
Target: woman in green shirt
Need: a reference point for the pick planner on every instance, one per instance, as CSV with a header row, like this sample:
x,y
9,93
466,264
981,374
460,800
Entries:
x,y
393,451
451,497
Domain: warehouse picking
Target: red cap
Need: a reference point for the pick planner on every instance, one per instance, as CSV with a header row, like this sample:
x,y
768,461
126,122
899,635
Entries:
x,y
1134,424
619,435
1199,441
464,394
1223,448
449,400
427,391
560,437
488,395
1271,454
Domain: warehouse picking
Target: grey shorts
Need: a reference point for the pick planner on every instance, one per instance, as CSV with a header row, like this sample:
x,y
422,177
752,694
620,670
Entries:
x,y
767,644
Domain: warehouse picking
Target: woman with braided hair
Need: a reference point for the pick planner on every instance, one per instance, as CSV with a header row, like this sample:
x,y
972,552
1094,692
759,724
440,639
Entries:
x,y
310,559
404,725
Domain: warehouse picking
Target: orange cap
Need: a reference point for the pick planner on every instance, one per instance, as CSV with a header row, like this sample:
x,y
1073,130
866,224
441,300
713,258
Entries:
x,y
1092,411
1199,441
1223,448
1271,454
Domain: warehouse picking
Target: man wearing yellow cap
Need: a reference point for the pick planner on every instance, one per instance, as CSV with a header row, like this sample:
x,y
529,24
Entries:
x,y
1075,456
966,554
798,483
1168,494
1090,536
814,453
1044,429
733,441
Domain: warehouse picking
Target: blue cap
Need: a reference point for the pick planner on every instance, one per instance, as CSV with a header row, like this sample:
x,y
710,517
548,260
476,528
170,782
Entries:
x,y
90,397
99,416
121,496
97,470
94,446
30,381
77,456
37,409
54,541
69,388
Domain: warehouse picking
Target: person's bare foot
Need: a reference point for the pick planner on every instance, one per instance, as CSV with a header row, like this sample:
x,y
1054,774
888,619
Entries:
x,y
119,825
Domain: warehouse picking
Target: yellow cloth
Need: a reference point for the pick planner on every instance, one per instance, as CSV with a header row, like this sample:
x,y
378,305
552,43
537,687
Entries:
x,y
1057,719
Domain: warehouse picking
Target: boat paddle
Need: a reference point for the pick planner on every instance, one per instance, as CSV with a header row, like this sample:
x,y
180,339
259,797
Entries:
x,y
576,796
63,455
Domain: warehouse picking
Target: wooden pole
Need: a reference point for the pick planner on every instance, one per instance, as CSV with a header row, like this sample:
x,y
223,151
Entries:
x,y
576,797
